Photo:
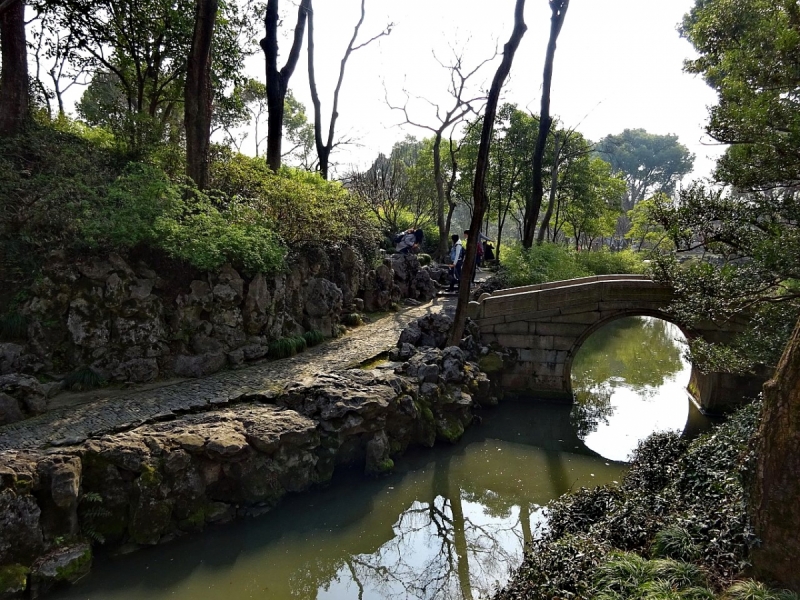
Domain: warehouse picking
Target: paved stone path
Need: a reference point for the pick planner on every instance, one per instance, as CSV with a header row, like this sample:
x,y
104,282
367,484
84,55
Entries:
x,y
118,411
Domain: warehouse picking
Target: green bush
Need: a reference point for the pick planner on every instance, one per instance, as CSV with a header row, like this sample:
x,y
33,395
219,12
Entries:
x,y
681,501
605,262
302,206
540,264
554,262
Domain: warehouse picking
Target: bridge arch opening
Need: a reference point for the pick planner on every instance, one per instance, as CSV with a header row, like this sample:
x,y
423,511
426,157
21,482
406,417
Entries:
x,y
629,376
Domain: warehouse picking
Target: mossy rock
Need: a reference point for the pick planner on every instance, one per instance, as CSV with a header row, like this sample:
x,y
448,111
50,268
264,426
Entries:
x,y
449,429
13,580
491,363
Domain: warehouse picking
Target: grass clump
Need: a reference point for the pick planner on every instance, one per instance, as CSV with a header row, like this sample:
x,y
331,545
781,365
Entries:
x,y
313,337
676,527
13,327
754,590
282,348
82,379
675,542
352,320
287,346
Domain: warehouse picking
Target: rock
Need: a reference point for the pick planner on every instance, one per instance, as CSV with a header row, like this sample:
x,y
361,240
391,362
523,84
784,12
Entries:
x,y
141,289
254,351
256,305
138,370
225,443
13,580
271,428
199,366
20,533
10,355
430,330
230,277
65,481
203,344
322,298
10,411
236,357
61,564
378,460
453,360
30,394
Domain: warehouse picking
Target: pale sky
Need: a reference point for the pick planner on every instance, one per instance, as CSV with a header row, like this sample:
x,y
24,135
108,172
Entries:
x,y
618,65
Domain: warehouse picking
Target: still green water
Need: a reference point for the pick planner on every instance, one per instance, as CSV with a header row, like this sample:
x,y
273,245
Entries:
x,y
450,522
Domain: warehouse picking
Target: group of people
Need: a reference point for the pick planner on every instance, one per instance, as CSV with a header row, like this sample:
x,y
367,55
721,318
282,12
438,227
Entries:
x,y
458,251
410,240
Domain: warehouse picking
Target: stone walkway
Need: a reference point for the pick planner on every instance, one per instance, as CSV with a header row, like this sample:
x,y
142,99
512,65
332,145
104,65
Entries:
x,y
123,410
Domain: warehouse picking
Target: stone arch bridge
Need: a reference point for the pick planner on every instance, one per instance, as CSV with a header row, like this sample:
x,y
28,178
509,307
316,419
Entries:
x,y
546,325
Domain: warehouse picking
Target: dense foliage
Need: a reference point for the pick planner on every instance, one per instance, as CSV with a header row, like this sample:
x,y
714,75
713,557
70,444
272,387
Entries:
x,y
553,262
743,237
675,527
68,191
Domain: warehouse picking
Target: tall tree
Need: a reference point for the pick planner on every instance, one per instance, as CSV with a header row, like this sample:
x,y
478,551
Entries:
x,y
776,489
278,79
325,147
199,94
748,52
482,167
650,163
558,10
447,118
14,87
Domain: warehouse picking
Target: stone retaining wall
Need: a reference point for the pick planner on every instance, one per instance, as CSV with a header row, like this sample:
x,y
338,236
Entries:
x,y
128,323
160,480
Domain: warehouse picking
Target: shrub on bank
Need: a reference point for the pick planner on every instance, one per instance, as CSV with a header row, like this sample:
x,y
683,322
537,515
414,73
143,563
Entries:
x,y
554,262
65,187
675,528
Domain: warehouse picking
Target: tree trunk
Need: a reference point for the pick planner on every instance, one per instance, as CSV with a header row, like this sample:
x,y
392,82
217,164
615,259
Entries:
x,y
775,495
278,80
553,190
481,170
559,11
198,93
14,89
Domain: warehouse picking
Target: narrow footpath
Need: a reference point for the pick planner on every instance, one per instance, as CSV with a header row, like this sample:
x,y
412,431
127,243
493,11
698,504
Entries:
x,y
123,409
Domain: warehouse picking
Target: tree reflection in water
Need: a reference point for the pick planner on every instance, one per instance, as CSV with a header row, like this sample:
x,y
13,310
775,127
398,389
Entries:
x,y
637,356
454,547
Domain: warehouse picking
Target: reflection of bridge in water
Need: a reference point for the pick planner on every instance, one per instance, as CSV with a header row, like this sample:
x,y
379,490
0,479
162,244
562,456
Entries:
x,y
546,325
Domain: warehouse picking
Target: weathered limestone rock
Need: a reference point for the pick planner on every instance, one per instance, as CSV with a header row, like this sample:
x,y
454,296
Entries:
x,y
30,394
430,330
66,564
10,412
199,366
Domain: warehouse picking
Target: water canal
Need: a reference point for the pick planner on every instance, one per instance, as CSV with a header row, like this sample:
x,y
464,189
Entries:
x,y
449,522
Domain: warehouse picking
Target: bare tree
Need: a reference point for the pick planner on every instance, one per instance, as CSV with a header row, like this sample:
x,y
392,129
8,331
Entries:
x,y
278,80
447,119
199,94
558,9
482,167
14,89
324,148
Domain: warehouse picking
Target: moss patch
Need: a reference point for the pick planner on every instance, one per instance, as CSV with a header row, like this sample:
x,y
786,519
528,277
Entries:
x,y
77,568
13,578
491,363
